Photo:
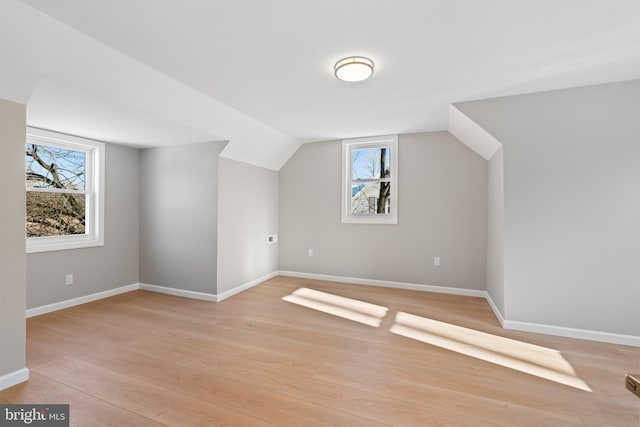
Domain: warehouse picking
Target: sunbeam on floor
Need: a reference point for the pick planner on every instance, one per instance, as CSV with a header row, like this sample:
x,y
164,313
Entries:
x,y
524,357
347,308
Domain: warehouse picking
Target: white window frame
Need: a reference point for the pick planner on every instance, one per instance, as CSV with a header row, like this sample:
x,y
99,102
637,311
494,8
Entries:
x,y
94,187
348,146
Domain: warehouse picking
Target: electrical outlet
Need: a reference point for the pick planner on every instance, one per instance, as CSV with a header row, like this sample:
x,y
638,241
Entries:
x,y
272,238
310,252
69,279
436,261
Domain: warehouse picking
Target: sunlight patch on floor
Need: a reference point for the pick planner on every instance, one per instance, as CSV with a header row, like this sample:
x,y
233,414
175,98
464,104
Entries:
x,y
524,357
347,308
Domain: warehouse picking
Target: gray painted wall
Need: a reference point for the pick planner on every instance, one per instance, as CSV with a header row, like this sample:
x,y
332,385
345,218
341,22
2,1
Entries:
x,y
442,212
178,216
572,204
247,214
495,232
12,243
99,268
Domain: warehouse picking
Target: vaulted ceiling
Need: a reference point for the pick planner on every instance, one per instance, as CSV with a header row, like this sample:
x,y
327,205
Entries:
x,y
259,73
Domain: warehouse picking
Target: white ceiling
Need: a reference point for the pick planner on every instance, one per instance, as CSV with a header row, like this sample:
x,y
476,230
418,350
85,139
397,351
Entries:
x,y
267,65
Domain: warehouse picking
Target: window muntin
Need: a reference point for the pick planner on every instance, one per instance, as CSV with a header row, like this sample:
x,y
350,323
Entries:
x,y
65,198
369,187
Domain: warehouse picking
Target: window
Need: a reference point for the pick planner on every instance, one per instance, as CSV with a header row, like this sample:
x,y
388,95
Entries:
x,y
370,180
65,197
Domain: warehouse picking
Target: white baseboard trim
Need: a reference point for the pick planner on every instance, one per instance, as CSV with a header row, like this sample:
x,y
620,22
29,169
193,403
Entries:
x,y
561,331
631,340
583,334
178,292
147,287
506,324
13,378
231,292
80,300
387,284
494,307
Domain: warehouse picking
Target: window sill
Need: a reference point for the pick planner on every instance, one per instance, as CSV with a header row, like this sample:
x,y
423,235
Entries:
x,y
387,219
47,244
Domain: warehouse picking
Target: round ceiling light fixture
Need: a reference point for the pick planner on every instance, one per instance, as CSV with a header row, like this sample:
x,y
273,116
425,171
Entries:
x,y
353,68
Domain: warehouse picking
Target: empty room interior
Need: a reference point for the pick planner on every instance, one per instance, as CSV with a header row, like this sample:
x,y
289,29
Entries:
x,y
348,213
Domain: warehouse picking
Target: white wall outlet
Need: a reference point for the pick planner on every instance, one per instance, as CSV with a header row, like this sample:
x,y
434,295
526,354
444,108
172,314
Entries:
x,y
436,261
69,279
272,238
310,252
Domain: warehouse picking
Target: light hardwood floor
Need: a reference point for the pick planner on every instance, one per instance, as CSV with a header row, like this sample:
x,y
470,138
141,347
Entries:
x,y
143,358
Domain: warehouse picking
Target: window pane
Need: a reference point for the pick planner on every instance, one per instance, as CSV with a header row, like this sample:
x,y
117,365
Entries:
x,y
368,162
53,167
55,214
372,198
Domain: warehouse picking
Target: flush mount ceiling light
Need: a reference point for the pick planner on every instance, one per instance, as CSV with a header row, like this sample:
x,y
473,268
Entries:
x,y
354,68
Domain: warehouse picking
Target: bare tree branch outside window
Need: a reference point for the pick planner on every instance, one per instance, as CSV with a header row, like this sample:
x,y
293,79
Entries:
x,y
370,180
385,187
56,191
371,186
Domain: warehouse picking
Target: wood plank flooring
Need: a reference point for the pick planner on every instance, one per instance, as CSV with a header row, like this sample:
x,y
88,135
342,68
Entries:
x,y
148,359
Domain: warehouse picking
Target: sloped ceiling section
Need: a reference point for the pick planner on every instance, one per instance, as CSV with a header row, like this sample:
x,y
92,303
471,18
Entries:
x,y
68,109
259,74
273,60
472,134
38,48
